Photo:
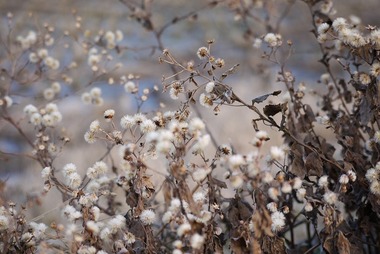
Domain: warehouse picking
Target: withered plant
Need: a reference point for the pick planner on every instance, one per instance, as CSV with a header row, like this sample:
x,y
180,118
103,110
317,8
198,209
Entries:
x,y
164,182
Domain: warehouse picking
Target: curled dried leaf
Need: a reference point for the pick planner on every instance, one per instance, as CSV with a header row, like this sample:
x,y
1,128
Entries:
x,y
273,109
265,96
343,244
229,71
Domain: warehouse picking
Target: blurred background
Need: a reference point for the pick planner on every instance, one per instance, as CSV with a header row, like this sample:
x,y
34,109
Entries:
x,y
138,55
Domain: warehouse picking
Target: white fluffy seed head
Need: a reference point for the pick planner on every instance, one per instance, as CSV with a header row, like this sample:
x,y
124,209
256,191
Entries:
x,y
278,221
277,153
183,229
330,197
210,87
344,179
147,217
197,241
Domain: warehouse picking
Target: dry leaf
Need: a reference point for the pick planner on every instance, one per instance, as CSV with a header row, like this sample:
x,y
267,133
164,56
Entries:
x,y
255,247
262,223
275,245
297,164
313,164
271,110
343,244
328,245
167,191
264,97
238,246
229,72
185,194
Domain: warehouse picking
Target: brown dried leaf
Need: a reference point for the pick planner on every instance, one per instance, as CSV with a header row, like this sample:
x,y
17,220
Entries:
x,y
147,183
245,210
238,246
185,194
314,164
262,223
255,247
327,149
233,216
139,207
347,166
309,114
355,158
328,245
131,198
297,165
343,244
167,191
275,245
212,241
238,211
136,228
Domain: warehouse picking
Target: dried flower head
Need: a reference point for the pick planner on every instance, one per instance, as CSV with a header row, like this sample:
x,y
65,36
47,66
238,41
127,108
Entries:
x,y
277,153
278,221
197,241
147,126
109,114
274,40
147,217
339,24
272,207
323,181
322,28
202,52
205,100
183,229
330,197
344,179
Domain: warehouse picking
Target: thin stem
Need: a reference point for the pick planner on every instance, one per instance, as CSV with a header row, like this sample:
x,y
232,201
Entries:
x,y
18,128
19,154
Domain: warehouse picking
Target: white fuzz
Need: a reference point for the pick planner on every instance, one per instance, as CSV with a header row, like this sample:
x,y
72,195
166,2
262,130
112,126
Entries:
x,y
278,221
147,217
